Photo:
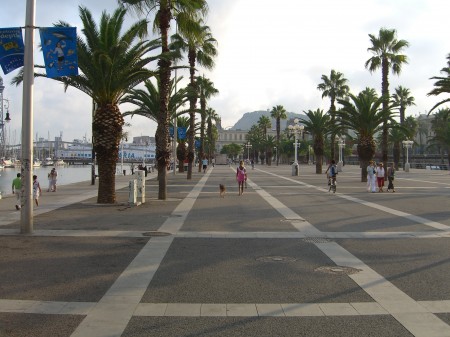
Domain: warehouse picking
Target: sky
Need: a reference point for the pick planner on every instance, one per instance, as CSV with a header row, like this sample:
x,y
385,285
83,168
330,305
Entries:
x,y
269,53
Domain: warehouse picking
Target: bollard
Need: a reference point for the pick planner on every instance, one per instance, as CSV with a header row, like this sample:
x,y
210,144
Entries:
x,y
132,192
140,177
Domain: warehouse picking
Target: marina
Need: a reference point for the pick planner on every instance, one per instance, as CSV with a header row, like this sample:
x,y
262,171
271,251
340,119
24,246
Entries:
x,y
67,174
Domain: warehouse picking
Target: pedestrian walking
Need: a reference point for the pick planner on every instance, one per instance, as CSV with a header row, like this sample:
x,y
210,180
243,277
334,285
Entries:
x,y
36,190
371,177
241,177
17,190
390,176
380,177
54,176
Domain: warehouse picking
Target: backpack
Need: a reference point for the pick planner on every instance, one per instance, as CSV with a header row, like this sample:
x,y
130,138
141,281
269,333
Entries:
x,y
333,170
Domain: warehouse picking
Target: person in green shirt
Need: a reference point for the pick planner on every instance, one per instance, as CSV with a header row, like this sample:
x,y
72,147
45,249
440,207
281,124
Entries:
x,y
17,189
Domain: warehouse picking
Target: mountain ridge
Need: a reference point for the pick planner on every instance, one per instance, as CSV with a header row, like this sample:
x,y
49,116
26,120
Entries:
x,y
251,118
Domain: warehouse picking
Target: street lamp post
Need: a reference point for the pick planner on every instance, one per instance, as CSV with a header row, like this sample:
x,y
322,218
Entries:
x,y
248,146
341,144
295,129
407,144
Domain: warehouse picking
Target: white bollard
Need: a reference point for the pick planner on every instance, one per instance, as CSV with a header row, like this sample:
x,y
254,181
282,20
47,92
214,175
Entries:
x,y
132,192
140,177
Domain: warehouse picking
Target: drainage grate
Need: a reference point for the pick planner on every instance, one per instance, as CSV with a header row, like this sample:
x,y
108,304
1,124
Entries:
x,y
316,240
155,233
281,259
337,270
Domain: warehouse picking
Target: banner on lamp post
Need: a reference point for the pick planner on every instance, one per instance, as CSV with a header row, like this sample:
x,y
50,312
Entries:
x,y
59,48
12,49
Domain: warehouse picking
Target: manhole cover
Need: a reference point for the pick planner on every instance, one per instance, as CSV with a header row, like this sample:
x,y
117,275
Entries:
x,y
316,240
155,233
338,270
282,259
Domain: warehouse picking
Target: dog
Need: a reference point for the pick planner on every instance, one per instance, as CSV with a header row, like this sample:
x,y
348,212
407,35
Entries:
x,y
222,190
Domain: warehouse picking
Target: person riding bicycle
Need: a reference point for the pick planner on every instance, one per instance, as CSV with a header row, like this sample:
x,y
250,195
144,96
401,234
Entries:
x,y
333,173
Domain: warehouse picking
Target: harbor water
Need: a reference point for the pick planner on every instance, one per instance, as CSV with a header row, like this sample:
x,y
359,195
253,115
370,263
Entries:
x,y
66,175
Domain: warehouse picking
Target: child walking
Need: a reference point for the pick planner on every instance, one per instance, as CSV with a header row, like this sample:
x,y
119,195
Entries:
x,y
241,177
36,190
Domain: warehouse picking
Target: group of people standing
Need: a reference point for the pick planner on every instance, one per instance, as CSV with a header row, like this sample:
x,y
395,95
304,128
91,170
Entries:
x,y
375,177
37,191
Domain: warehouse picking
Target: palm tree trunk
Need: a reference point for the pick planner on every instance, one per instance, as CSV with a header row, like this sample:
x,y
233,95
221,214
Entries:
x,y
162,131
107,127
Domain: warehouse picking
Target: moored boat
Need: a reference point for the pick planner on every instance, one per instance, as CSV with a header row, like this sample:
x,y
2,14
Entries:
x,y
48,162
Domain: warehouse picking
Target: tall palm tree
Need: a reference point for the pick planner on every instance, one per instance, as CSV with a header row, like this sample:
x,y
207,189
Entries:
x,y
211,135
206,90
386,51
186,13
200,46
333,87
319,125
364,115
111,63
278,112
442,85
403,99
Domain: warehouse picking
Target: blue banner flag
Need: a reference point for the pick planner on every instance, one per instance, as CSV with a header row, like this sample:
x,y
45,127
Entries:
x,y
197,143
12,50
59,46
182,132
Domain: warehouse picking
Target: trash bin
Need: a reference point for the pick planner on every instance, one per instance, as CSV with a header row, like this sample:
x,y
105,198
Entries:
x,y
124,172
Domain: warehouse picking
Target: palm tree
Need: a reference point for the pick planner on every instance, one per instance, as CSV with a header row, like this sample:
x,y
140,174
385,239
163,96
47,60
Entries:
x,y
264,123
147,100
206,90
333,87
200,47
402,98
442,85
364,115
386,55
319,125
278,112
181,147
256,138
186,13
211,130
269,144
111,63
441,128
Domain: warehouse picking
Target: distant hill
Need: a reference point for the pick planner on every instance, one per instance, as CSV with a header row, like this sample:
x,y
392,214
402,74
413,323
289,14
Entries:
x,y
251,118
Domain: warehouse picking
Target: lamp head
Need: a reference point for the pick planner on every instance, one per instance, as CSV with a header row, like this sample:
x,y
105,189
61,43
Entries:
x,y
7,118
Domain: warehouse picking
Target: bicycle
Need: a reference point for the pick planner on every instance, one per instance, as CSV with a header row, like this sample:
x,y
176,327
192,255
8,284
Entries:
x,y
332,184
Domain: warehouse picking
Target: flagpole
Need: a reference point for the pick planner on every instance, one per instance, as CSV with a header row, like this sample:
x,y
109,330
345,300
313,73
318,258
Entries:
x,y
26,215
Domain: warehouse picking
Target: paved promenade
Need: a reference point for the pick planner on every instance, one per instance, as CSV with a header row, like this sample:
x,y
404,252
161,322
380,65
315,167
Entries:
x,y
287,258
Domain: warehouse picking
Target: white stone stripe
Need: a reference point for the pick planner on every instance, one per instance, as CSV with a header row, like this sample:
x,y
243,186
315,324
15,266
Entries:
x,y
411,314
411,217
296,220
218,309
111,315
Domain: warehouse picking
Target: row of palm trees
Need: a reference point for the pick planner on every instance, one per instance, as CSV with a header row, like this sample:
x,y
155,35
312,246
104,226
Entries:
x,y
361,117
113,62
